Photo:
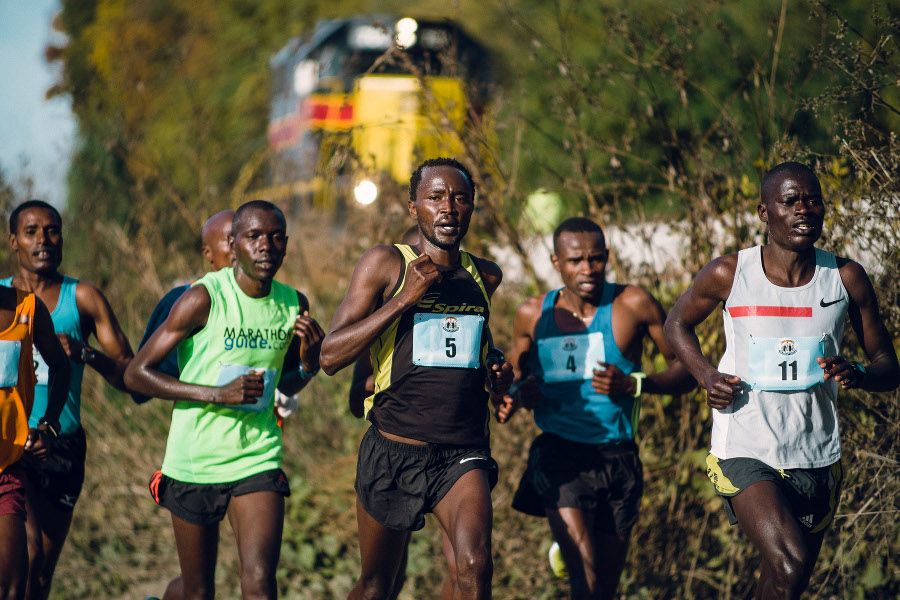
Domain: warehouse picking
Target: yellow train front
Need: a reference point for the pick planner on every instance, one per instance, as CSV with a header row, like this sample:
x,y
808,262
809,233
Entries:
x,y
359,102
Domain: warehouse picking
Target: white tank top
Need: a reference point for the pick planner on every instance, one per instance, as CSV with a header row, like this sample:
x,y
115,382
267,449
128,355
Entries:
x,y
786,413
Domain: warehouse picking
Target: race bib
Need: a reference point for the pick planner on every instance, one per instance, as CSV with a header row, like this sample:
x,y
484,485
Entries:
x,y
229,373
9,362
441,340
41,368
570,357
785,364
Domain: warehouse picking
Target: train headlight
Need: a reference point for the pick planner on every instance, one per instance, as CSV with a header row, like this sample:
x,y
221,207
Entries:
x,y
406,32
365,192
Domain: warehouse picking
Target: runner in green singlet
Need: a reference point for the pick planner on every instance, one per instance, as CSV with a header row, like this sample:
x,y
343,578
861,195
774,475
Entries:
x,y
238,334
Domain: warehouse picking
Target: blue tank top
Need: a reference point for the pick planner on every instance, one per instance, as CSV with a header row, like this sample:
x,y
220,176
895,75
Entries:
x,y
66,320
564,364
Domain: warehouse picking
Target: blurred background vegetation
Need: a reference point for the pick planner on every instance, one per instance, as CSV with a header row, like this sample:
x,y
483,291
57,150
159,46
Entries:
x,y
648,116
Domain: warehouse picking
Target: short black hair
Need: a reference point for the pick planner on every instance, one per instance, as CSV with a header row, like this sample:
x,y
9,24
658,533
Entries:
x,y
416,177
785,168
576,225
14,216
255,205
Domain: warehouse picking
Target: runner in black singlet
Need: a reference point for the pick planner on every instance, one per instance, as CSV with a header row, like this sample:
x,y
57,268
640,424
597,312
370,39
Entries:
x,y
424,311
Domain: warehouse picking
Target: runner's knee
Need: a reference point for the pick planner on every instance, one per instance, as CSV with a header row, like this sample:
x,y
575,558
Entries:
x,y
375,587
474,564
257,578
789,569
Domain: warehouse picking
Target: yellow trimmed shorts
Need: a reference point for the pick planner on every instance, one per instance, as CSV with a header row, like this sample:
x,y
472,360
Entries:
x,y
812,493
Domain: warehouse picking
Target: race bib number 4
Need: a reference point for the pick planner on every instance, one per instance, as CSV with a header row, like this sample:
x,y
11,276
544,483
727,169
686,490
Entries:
x,y
229,373
442,340
9,362
785,364
570,357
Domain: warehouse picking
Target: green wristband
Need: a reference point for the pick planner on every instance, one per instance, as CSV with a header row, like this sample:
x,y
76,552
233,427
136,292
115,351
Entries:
x,y
638,382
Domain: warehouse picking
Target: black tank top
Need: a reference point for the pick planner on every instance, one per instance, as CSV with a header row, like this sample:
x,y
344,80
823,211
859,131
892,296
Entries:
x,y
429,363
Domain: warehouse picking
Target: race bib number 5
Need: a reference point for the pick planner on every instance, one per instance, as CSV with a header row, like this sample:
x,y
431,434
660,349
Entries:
x,y
441,340
785,364
570,357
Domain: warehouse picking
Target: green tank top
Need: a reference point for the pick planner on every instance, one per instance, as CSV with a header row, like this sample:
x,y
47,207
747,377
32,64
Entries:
x,y
218,444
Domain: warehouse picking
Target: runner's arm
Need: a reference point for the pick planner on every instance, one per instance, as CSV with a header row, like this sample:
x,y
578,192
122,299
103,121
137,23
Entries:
x,y
303,352
525,387
188,315
361,386
357,323
53,354
157,317
103,324
882,373
711,287
675,379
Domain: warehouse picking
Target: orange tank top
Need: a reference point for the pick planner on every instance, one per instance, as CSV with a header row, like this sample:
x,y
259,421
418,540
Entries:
x,y
18,379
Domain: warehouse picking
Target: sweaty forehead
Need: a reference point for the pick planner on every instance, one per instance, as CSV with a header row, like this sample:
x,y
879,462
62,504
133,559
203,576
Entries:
x,y
579,242
443,175
38,214
791,182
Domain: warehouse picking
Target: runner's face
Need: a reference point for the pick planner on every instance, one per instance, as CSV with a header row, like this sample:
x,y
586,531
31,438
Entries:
x,y
259,243
443,207
795,211
581,261
38,241
217,250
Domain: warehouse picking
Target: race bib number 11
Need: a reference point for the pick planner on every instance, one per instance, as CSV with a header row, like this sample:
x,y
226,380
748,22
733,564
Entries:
x,y
441,340
785,364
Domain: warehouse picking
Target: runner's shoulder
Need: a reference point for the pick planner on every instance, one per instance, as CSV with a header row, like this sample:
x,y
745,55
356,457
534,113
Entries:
x,y
490,271
721,269
529,311
302,300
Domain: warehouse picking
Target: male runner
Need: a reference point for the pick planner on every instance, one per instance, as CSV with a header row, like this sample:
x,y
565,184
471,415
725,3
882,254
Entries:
x,y
424,310
24,322
238,332
775,454
216,249
78,310
577,353
362,387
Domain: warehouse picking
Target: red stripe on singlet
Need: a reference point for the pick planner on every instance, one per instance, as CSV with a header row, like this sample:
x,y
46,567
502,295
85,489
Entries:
x,y
770,311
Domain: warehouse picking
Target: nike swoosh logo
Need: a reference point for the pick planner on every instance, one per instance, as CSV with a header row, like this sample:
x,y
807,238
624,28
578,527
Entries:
x,y
471,458
824,304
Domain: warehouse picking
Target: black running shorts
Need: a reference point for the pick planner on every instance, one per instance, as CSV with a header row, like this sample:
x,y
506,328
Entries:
x,y
58,480
604,479
207,503
812,493
398,484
